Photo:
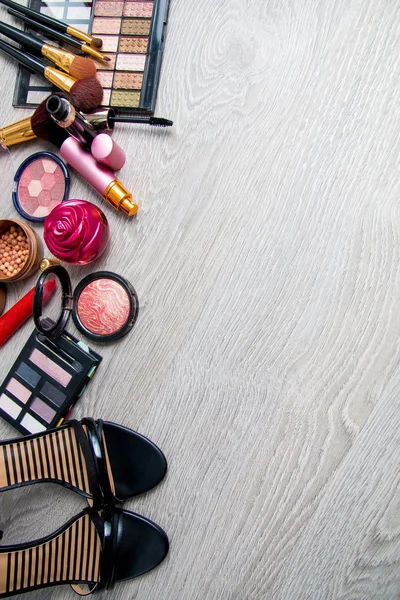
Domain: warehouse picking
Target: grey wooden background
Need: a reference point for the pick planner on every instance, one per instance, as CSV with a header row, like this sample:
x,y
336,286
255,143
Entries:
x,y
266,358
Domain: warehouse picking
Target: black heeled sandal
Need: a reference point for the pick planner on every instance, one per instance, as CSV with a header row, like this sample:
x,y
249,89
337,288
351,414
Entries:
x,y
105,462
91,549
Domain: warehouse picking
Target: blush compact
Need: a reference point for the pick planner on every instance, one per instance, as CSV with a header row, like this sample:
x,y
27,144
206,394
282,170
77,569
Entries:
x,y
40,184
105,306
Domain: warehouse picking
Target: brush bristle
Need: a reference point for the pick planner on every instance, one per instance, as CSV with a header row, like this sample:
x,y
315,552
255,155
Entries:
x,y
45,128
82,67
86,94
97,42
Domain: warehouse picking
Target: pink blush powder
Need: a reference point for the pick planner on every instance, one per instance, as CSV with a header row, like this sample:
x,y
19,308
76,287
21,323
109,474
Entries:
x,y
41,187
103,307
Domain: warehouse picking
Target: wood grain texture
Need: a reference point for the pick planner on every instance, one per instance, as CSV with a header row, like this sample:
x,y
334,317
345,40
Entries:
x,y
266,359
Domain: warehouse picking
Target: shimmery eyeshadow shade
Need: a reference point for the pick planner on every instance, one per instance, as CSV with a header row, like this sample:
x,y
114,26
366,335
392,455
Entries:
x,y
110,43
52,394
32,424
135,27
128,81
125,99
9,406
43,410
133,44
18,390
108,9
105,78
101,25
138,9
130,62
28,374
50,367
103,307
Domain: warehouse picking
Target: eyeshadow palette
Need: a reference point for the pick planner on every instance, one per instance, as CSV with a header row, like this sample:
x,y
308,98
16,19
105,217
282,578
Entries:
x,y
45,382
133,35
30,88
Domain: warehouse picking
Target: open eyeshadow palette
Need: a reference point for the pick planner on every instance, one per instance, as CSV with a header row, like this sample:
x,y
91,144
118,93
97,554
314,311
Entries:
x,y
46,381
133,34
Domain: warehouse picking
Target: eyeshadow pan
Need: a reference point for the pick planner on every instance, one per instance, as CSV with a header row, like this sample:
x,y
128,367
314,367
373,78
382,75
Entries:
x,y
18,390
110,43
133,44
135,26
125,99
108,9
101,25
52,394
50,367
9,406
43,410
128,81
130,62
32,425
105,78
28,374
138,9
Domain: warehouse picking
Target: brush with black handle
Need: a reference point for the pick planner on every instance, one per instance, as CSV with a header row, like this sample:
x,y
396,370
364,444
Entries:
x,y
52,34
86,94
54,23
77,66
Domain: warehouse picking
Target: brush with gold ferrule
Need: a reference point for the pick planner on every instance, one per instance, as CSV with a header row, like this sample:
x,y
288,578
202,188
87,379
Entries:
x,y
86,94
57,35
77,66
54,23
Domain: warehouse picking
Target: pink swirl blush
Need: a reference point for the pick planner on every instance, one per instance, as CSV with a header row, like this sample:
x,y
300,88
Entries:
x,y
103,307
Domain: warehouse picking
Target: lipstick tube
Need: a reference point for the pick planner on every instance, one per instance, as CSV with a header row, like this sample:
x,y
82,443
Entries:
x,y
21,311
103,148
98,176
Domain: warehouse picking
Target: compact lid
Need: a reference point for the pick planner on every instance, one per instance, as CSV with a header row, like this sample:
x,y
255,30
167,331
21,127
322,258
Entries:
x,y
51,314
2,297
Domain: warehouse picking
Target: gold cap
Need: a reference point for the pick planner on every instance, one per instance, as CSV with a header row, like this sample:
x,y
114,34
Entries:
x,y
119,197
18,132
48,262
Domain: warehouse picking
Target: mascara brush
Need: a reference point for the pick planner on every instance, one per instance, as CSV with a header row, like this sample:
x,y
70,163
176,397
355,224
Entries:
x,y
77,66
105,119
54,23
86,94
61,37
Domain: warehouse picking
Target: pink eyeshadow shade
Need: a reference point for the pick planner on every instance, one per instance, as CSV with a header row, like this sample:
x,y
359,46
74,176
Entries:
x,y
101,25
138,9
18,390
41,185
43,410
103,307
108,9
50,367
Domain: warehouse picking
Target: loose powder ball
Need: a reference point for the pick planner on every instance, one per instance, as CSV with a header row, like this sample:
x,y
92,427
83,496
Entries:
x,y
14,250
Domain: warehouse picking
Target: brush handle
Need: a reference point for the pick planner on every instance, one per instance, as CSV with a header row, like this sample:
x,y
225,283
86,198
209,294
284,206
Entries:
x,y
37,16
25,59
62,37
27,41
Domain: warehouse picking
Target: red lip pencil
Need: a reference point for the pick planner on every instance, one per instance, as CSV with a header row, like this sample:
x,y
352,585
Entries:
x,y
21,311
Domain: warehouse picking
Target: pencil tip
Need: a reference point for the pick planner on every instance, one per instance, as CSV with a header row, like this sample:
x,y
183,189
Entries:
x,y
107,58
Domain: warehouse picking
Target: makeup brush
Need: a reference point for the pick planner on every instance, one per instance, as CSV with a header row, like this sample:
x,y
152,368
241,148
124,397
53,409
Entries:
x,y
39,125
77,66
104,119
86,94
54,23
57,35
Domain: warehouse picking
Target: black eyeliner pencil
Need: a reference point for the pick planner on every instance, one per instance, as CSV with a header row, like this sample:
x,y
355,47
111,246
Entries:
x,y
57,35
54,23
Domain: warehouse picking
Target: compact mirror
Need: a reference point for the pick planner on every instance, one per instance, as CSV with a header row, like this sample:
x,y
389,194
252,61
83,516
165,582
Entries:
x,y
52,301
